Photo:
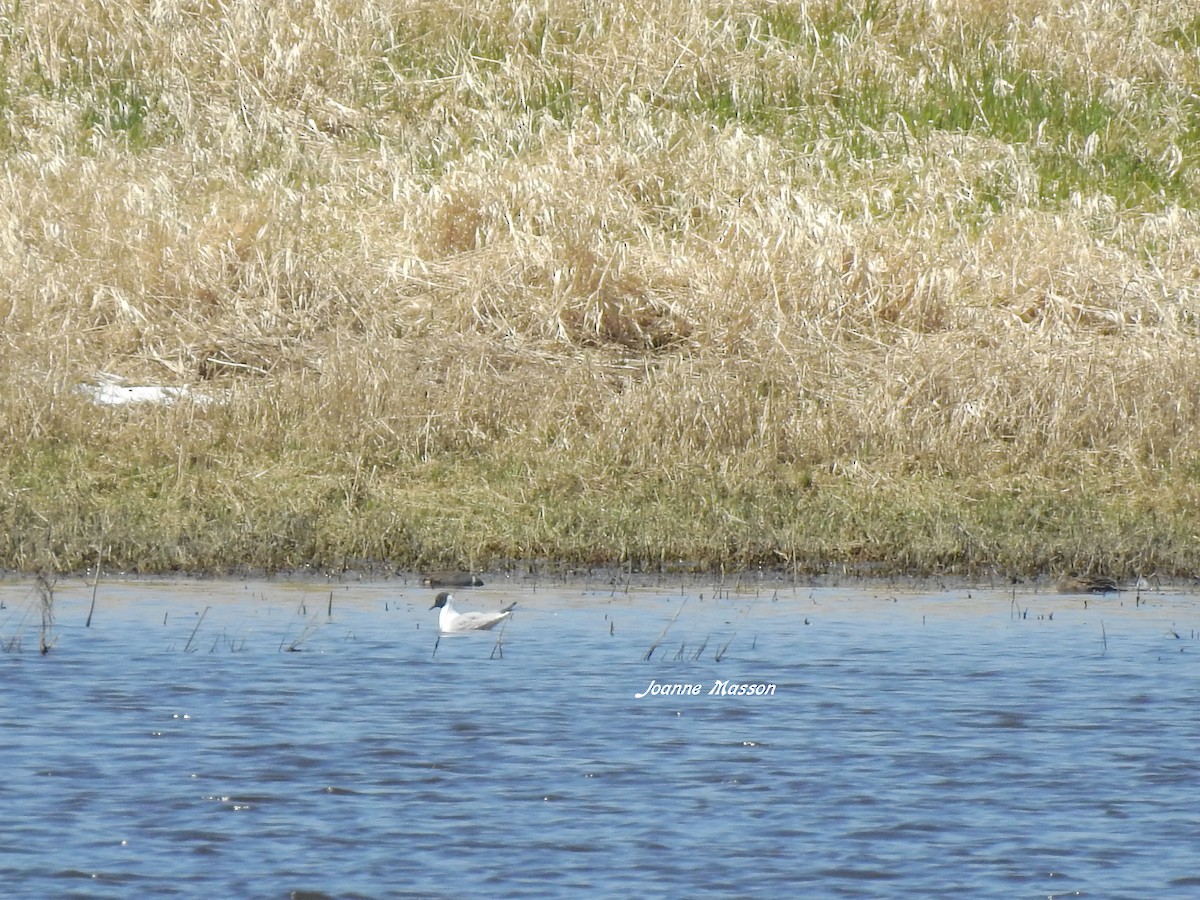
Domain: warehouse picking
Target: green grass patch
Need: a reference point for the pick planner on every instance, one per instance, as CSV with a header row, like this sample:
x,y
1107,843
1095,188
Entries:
x,y
144,510
122,109
812,89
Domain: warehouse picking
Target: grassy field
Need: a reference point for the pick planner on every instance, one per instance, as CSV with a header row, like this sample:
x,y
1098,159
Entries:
x,y
800,284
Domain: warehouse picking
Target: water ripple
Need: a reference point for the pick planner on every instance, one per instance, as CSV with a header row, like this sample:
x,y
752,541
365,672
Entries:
x,y
923,747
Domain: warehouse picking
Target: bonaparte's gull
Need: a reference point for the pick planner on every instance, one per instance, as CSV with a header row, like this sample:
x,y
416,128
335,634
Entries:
x,y
451,620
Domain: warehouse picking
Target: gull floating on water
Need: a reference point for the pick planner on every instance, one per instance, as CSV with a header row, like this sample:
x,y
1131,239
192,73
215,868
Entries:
x,y
451,620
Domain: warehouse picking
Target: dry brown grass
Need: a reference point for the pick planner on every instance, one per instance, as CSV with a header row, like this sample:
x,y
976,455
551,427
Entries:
x,y
686,283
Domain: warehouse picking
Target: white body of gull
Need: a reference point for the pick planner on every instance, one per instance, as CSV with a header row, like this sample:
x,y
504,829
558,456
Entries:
x,y
451,621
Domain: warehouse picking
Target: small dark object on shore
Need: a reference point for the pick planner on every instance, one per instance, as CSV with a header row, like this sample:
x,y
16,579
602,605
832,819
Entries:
x,y
1087,584
452,579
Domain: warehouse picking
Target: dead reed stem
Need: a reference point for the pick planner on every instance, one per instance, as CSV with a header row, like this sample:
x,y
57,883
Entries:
x,y
45,590
95,588
659,639
187,648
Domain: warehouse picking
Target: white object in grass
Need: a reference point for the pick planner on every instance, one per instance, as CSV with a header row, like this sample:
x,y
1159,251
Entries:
x,y
112,390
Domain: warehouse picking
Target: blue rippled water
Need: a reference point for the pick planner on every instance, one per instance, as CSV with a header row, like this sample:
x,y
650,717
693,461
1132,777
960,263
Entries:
x,y
962,743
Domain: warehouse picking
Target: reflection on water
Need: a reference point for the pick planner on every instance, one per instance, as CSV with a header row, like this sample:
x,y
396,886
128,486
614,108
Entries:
x,y
914,744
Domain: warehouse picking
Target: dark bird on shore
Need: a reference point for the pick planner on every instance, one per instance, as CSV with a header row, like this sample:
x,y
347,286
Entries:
x,y
452,579
1072,583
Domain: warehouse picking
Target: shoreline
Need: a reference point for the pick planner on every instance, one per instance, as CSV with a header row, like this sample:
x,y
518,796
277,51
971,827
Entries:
x,y
618,579
139,514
